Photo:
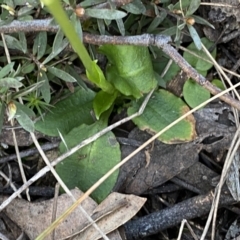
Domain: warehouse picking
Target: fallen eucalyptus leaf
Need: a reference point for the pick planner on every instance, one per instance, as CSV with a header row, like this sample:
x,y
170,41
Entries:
x,y
109,215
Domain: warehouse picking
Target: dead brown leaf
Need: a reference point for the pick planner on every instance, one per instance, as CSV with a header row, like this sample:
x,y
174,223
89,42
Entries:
x,y
35,217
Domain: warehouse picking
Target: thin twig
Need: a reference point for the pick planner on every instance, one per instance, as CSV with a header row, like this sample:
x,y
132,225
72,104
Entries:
x,y
109,173
12,124
71,151
63,185
159,41
29,152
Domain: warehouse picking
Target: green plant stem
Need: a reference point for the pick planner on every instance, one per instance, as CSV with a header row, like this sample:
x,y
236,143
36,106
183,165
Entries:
x,y
56,9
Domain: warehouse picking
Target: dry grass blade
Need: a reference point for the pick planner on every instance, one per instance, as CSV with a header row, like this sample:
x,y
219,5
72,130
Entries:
x,y
63,185
100,181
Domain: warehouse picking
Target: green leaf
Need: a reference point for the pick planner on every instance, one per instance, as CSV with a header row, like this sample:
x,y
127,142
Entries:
x,y
27,67
89,164
24,109
77,76
135,7
162,109
24,120
61,74
194,94
121,27
45,88
202,21
58,45
23,41
27,10
101,26
96,76
194,5
40,45
67,114
110,14
129,69
197,62
169,31
184,3
10,82
195,37
156,21
103,101
89,3
218,83
58,40
77,25
6,70
12,42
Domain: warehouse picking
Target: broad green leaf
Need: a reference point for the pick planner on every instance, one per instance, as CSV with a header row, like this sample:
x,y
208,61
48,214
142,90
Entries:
x,y
6,70
129,69
103,101
105,13
135,7
61,74
89,164
194,94
25,121
40,45
195,37
67,114
162,109
97,77
159,66
218,83
194,5
10,82
23,41
196,62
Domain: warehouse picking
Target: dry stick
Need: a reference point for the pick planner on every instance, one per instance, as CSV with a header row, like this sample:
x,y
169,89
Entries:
x,y
144,40
29,152
171,216
101,180
141,40
162,42
12,124
63,185
73,150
